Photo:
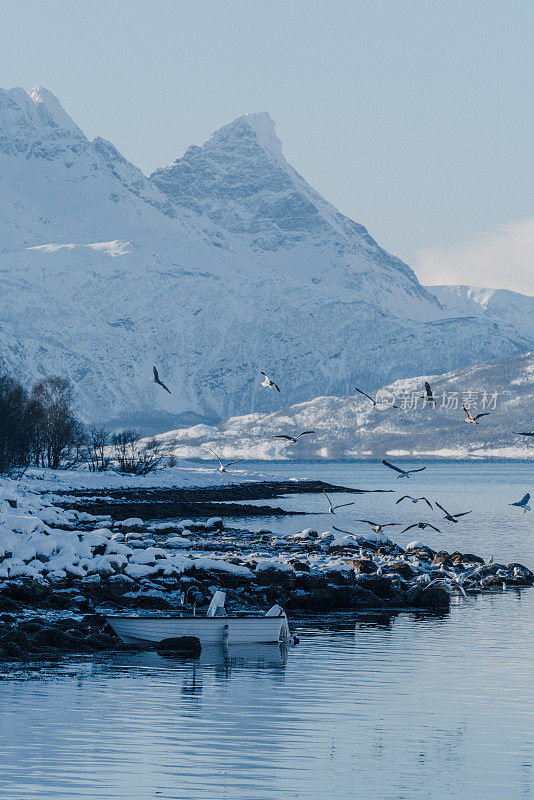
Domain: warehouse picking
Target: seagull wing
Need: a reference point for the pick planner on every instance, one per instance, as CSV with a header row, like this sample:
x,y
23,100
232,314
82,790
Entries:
x,y
433,527
305,433
443,509
373,401
340,530
410,527
329,501
368,521
463,513
392,466
283,436
276,387
420,469
428,390
155,373
526,498
164,387
233,462
429,504
467,412
343,505
404,497
485,414
523,433
389,524
263,373
216,456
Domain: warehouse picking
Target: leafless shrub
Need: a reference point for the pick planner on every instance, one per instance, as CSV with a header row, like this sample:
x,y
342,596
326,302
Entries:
x,y
132,456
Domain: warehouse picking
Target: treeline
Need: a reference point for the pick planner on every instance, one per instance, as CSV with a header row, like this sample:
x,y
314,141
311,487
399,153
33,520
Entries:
x,y
40,428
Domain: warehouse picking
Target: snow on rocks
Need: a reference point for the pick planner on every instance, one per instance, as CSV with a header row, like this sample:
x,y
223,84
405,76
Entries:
x,y
60,559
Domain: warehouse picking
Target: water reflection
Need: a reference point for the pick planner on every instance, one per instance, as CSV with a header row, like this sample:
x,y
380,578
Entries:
x,y
374,706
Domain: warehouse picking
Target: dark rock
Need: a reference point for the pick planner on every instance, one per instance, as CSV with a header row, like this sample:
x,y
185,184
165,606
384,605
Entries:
x,y
522,573
299,566
272,576
403,569
442,558
429,597
185,645
313,580
9,650
6,604
340,577
363,565
377,584
469,558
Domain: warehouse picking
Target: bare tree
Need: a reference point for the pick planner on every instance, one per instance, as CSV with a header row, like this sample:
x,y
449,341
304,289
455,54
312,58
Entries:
x,y
60,433
17,426
96,449
134,456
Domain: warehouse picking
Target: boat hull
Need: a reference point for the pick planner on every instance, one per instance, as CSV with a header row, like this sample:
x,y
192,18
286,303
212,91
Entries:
x,y
210,630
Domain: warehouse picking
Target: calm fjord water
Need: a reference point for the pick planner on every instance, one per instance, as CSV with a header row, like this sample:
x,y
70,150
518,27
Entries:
x,y
409,706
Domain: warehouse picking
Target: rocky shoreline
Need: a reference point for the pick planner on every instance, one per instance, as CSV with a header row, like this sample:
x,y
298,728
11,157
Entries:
x,y
62,569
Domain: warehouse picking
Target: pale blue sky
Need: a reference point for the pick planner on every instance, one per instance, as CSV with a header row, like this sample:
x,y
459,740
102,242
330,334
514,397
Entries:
x,y
415,118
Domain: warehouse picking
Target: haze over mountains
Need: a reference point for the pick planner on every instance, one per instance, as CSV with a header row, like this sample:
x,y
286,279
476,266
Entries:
x,y
224,263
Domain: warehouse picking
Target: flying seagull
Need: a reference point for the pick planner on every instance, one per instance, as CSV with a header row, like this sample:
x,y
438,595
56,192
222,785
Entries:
x,y
448,583
331,508
451,517
414,500
404,473
421,525
470,418
373,401
523,503
293,439
222,467
376,527
523,433
156,379
268,383
428,396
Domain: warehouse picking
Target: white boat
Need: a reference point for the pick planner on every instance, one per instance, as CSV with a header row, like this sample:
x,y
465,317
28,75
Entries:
x,y
215,628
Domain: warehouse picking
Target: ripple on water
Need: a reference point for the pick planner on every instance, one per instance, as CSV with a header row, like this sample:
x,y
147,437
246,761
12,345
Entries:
x,y
415,706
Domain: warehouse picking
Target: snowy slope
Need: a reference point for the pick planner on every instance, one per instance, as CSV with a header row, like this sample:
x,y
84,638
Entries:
x,y
498,305
220,265
348,427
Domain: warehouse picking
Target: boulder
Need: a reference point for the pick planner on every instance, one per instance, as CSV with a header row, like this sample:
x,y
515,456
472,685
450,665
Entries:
x,y
184,645
429,598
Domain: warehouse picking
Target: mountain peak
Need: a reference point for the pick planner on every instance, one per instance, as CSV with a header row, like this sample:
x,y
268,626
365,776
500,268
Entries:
x,y
45,101
260,124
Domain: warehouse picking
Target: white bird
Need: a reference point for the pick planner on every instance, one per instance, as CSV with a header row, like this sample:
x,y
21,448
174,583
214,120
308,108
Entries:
x,y
451,517
428,396
414,500
156,379
470,418
447,583
331,508
268,383
404,473
523,503
222,467
373,401
293,439
376,527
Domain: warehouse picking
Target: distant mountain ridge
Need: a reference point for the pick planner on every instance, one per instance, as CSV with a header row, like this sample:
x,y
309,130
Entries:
x,y
351,427
224,263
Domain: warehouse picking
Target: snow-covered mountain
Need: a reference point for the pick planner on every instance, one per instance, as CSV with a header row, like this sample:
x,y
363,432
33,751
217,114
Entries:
x,y
351,427
497,305
220,265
